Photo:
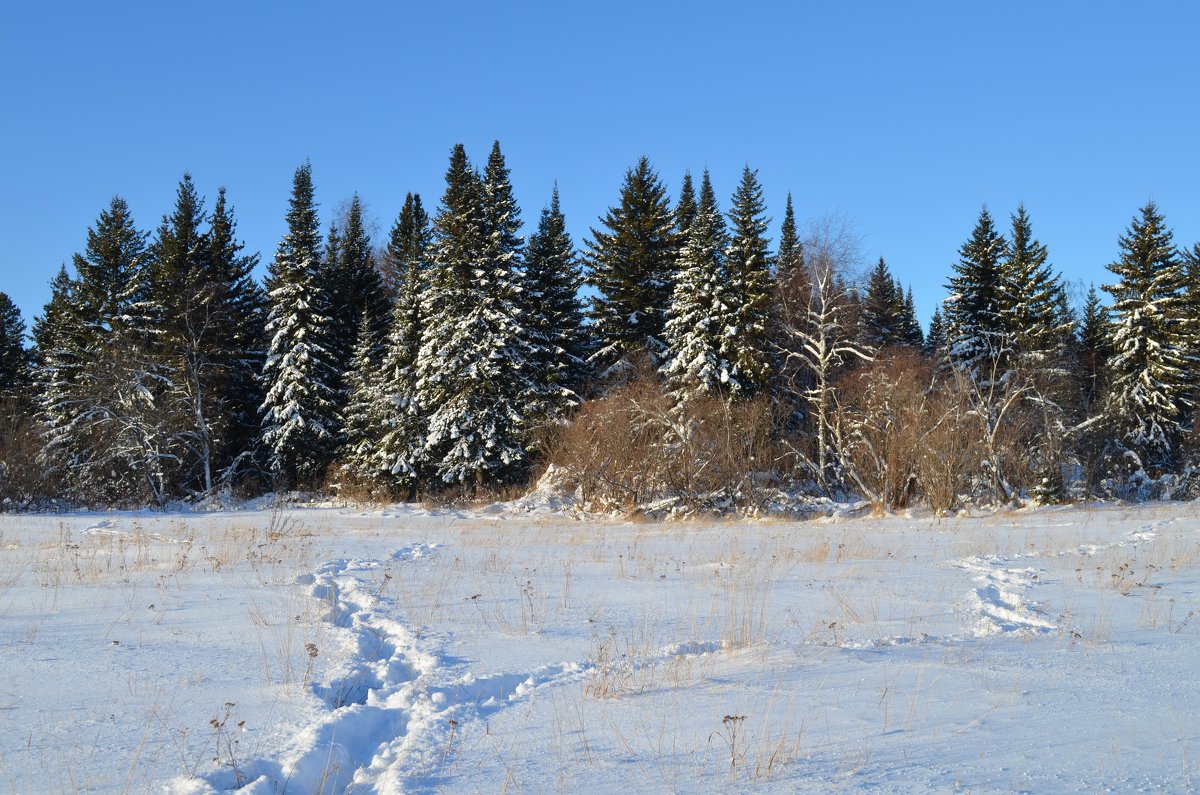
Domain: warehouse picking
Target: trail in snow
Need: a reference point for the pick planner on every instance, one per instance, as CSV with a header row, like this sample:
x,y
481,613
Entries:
x,y
394,706
1000,602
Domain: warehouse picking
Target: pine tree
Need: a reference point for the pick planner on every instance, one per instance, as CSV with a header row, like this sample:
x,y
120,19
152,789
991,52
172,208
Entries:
x,y
632,267
1148,372
552,280
882,310
745,342
14,357
473,367
976,334
695,366
685,210
300,422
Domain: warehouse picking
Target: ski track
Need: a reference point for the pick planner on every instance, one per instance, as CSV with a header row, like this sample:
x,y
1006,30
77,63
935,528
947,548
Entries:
x,y
1000,603
394,708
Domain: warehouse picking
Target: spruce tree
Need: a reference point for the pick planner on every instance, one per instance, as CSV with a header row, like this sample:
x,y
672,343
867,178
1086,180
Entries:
x,y
685,210
791,251
1148,372
300,422
913,336
400,447
745,338
1094,349
976,334
632,266
180,308
355,289
883,310
552,280
14,356
935,341
1033,300
103,428
473,367
239,344
364,415
695,366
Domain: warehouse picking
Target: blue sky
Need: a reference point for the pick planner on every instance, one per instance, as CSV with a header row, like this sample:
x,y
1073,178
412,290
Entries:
x,y
905,118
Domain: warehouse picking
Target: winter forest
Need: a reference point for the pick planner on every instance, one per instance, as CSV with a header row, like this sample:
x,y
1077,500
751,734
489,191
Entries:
x,y
683,358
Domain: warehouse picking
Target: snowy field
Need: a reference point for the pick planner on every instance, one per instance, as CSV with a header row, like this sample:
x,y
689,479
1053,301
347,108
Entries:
x,y
405,650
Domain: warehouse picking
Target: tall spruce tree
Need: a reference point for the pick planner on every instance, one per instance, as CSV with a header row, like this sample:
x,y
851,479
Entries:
x,y
883,322
695,366
977,337
1148,372
632,266
14,356
685,209
1093,351
912,333
103,430
745,342
207,317
400,448
356,291
239,340
1033,300
791,250
555,315
935,341
300,422
473,367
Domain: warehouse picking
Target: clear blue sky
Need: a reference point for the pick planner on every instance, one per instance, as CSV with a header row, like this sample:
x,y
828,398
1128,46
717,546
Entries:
x,y
906,117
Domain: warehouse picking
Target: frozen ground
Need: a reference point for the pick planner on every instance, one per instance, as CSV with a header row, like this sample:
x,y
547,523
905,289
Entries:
x,y
406,651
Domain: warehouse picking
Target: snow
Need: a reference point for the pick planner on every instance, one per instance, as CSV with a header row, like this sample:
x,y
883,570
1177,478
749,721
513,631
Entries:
x,y
529,647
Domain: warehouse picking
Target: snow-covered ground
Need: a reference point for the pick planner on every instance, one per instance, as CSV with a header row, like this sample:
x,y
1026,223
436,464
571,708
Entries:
x,y
406,650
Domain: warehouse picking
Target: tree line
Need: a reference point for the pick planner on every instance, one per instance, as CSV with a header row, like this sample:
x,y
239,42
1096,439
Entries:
x,y
707,370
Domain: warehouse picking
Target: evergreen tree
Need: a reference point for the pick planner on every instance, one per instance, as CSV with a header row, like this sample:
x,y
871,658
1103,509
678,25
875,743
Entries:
x,y
473,367
1033,303
14,357
552,280
935,341
355,289
239,343
695,330
632,267
1148,372
883,310
1094,349
791,251
402,427
300,422
365,414
748,294
685,210
976,333
103,431
179,308
913,336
